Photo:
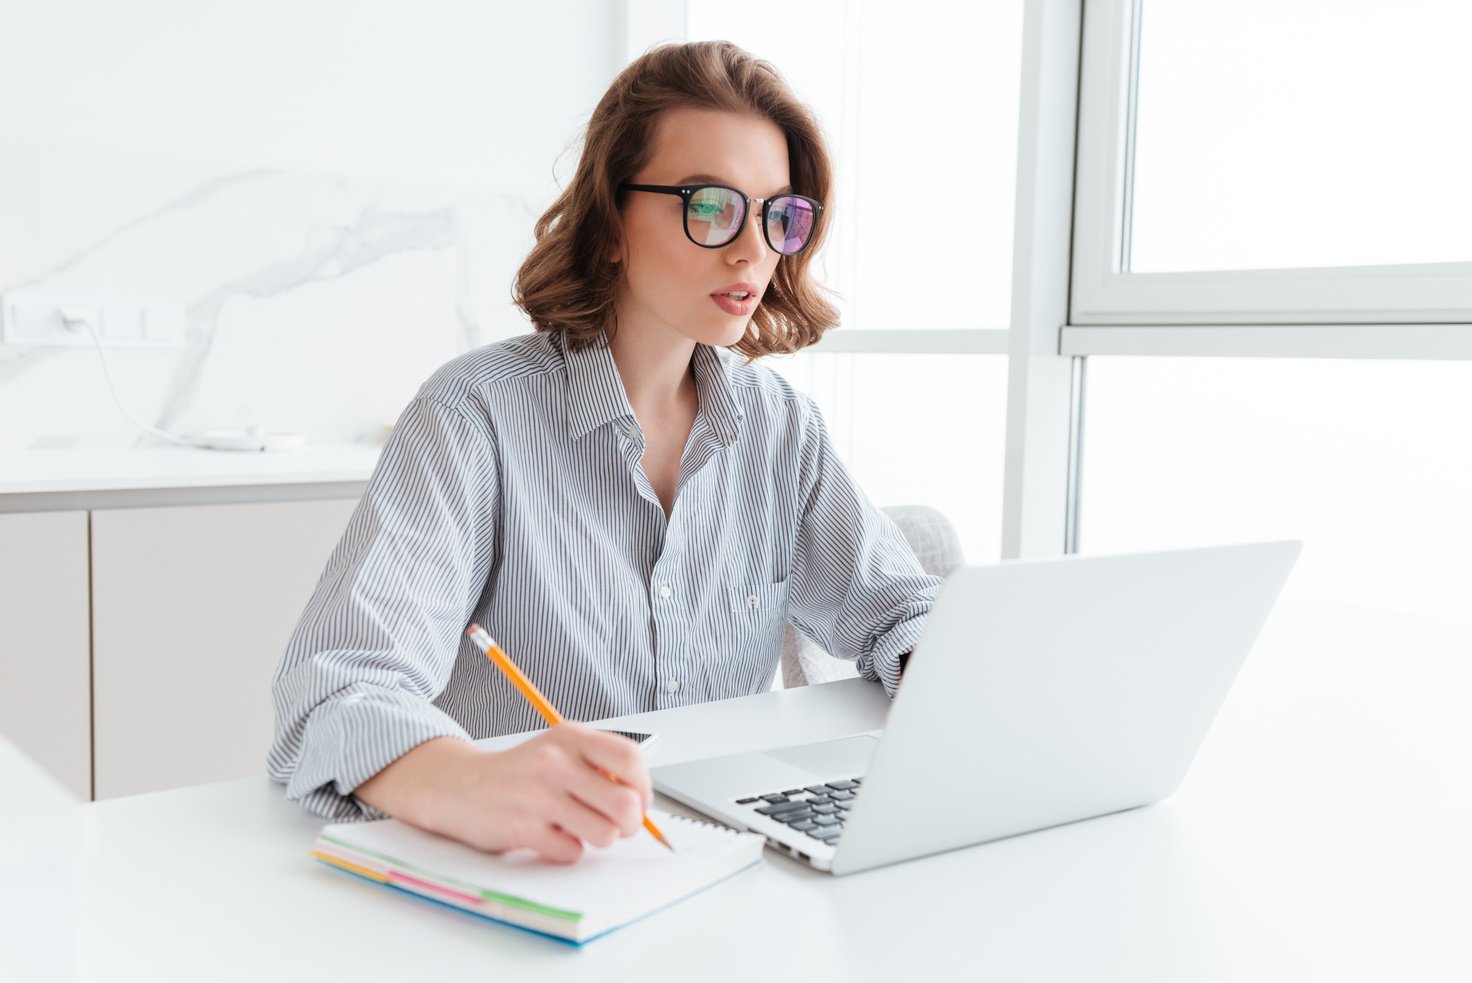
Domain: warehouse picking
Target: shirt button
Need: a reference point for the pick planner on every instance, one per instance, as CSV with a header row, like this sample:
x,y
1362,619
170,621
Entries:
x,y
673,686
664,591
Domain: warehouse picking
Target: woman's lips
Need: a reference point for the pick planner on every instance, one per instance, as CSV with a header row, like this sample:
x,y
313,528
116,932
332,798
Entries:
x,y
739,308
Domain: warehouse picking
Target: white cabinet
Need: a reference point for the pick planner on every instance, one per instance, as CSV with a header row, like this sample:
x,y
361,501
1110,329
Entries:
x,y
191,609
45,676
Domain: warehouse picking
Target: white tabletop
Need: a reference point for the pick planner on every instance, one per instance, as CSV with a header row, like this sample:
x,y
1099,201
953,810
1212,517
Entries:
x,y
1321,834
42,836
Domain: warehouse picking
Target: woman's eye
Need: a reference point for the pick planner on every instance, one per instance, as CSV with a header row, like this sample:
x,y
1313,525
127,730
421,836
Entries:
x,y
704,210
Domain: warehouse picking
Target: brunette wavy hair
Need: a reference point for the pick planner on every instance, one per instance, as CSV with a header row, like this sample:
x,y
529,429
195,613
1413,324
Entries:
x,y
568,284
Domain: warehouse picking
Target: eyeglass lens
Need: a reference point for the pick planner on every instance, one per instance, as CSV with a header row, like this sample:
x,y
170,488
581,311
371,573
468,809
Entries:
x,y
790,222
714,216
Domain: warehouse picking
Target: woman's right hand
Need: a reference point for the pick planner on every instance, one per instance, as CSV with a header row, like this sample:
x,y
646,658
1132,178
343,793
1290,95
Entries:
x,y
551,794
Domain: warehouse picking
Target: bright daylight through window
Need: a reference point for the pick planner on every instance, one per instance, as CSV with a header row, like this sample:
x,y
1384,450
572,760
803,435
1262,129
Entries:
x,y
1303,134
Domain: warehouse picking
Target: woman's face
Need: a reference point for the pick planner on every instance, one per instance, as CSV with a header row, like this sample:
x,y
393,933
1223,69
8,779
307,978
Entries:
x,y
670,285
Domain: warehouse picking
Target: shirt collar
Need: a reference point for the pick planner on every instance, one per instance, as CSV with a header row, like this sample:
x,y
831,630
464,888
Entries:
x,y
595,393
717,398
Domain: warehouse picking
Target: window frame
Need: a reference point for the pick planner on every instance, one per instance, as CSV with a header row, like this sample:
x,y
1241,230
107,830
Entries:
x,y
1348,311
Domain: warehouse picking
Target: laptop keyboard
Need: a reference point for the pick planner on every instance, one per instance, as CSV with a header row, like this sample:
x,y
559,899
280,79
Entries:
x,y
817,810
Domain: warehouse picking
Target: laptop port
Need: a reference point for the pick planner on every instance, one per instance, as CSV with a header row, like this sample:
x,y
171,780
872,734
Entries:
x,y
803,856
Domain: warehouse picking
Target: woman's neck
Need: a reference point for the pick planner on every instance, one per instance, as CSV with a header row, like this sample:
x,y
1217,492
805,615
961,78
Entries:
x,y
656,371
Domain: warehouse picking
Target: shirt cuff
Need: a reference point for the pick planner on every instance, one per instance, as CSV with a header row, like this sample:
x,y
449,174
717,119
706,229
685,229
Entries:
x,y
883,663
352,738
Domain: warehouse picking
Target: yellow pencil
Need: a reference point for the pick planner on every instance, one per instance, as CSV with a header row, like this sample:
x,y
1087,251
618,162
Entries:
x,y
534,696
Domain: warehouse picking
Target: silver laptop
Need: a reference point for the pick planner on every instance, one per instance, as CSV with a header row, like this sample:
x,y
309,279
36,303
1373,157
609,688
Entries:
x,y
1042,692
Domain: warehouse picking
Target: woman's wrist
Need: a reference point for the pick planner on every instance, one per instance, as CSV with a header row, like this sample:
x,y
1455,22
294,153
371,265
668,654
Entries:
x,y
413,785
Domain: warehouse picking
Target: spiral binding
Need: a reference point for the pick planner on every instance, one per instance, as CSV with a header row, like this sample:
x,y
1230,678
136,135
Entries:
x,y
705,822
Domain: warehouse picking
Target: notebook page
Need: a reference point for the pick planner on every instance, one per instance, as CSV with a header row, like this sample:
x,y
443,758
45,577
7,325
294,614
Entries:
x,y
601,880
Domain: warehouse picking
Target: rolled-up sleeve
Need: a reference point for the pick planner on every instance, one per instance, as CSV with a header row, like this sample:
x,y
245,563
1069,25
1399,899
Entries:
x,y
379,636
857,590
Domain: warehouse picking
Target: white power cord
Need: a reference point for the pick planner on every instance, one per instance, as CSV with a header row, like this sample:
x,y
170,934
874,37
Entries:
x,y
74,319
254,438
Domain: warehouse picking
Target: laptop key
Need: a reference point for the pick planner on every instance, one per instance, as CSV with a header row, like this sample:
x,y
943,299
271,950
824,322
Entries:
x,y
803,825
817,789
843,786
748,800
844,806
777,808
796,815
818,800
824,832
840,796
775,797
825,820
825,808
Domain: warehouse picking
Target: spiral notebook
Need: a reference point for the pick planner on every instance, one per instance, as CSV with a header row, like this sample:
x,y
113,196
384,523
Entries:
x,y
605,890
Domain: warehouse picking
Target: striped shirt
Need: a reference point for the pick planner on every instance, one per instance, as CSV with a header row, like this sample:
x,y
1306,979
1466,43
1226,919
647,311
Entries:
x,y
512,494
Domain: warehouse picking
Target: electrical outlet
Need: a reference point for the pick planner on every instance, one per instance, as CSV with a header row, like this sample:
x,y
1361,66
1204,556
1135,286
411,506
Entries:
x,y
34,319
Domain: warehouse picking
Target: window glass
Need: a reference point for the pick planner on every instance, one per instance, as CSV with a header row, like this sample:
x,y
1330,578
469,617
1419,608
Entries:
x,y
1368,462
1302,133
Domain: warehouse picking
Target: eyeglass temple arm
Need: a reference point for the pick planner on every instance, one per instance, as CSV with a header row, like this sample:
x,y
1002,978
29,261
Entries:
x,y
659,189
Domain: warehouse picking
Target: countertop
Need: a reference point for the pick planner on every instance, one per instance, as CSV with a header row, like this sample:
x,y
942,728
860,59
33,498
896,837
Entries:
x,y
48,479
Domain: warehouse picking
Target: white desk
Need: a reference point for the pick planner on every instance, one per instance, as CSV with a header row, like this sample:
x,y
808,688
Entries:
x,y
1321,835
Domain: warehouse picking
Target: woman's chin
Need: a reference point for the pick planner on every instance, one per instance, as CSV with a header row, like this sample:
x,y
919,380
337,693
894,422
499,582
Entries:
x,y
727,334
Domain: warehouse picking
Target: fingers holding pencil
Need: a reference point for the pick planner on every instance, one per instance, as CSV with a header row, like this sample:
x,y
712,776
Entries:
x,y
599,789
617,759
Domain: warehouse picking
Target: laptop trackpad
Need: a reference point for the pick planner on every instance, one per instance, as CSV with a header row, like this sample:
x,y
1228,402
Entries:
x,y
843,758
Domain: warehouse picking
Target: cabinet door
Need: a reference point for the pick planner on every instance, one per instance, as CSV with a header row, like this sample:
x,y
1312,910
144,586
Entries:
x,y
191,609
45,676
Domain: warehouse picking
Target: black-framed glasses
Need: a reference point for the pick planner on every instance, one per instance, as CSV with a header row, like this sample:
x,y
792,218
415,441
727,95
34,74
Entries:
x,y
715,215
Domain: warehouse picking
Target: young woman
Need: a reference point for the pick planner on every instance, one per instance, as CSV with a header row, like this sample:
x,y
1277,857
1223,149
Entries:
x,y
632,510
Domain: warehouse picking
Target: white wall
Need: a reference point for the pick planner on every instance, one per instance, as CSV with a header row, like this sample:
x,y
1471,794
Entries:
x,y
337,193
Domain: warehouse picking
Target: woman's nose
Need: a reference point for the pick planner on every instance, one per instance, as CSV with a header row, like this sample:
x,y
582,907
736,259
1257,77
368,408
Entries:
x,y
749,243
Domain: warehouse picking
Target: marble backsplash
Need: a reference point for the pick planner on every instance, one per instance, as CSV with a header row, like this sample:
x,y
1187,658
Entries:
x,y
314,302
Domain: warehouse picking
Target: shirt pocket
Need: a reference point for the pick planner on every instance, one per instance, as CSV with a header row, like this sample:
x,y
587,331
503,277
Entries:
x,y
755,615
756,602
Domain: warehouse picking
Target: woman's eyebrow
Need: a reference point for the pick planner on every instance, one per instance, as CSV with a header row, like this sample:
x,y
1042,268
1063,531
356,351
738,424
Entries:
x,y
712,179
